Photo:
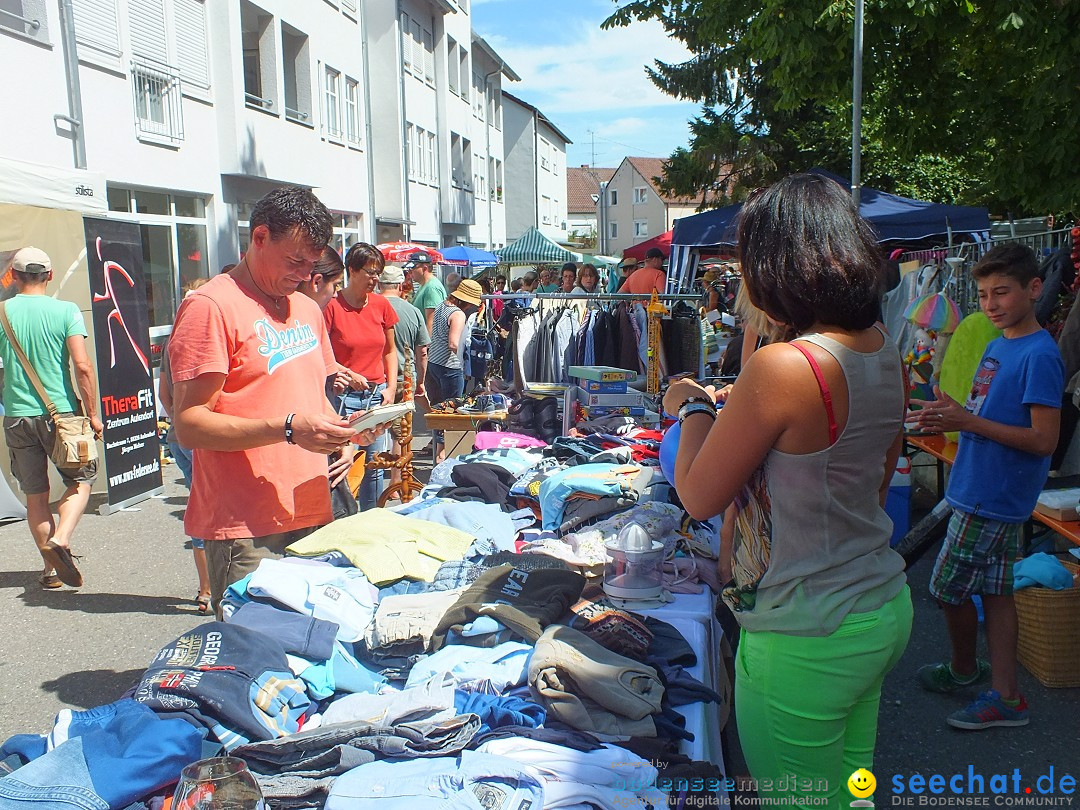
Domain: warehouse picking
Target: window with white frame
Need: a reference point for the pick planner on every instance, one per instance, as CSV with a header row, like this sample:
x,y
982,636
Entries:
x,y
641,228
613,230
545,209
295,61
352,110
26,17
466,161
499,181
545,160
464,72
451,62
406,42
431,158
417,160
639,194
332,113
479,177
259,45
479,101
429,58
457,166
346,231
613,197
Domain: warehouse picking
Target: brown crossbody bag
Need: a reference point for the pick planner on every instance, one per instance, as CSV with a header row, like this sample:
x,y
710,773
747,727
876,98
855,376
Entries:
x,y
74,443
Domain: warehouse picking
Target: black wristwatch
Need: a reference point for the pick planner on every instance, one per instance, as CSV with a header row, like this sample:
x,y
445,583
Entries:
x,y
288,429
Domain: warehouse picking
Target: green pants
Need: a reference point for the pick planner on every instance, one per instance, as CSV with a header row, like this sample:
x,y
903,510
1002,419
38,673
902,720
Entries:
x,y
807,707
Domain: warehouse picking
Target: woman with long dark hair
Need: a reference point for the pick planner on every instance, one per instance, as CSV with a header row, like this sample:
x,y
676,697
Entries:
x,y
805,447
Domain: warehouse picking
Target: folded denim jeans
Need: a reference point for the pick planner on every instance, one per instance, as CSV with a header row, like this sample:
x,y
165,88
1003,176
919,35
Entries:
x,y
471,781
122,752
336,748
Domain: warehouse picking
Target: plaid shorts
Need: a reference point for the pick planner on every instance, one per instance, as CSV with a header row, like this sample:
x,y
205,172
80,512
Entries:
x,y
977,557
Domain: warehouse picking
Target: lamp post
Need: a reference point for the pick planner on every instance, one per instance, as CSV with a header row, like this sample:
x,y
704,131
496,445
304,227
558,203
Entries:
x,y
856,107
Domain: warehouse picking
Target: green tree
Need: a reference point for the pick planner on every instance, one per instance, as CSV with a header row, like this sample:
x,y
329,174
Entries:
x,y
964,101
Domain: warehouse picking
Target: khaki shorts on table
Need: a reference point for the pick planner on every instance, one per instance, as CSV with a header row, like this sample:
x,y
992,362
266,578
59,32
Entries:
x,y
30,440
229,561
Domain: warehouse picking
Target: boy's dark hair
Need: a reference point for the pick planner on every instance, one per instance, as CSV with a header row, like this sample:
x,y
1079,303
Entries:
x,y
1015,261
361,254
807,255
329,265
292,208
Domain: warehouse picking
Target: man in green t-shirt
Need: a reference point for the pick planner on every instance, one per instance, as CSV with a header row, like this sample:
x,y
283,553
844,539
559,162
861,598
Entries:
x,y
430,292
53,336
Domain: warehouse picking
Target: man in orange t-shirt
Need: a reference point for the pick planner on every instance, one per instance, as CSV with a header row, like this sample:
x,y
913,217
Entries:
x,y
648,278
250,358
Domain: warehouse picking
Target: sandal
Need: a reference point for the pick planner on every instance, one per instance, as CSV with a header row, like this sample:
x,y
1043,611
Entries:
x,y
50,582
202,604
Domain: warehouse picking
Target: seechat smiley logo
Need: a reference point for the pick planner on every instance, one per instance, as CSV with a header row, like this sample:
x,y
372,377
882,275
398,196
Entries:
x,y
861,783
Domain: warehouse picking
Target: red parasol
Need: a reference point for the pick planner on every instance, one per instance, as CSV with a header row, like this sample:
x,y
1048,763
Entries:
x,y
401,251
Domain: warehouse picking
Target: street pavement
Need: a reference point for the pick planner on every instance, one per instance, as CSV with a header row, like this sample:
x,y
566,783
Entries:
x,y
83,648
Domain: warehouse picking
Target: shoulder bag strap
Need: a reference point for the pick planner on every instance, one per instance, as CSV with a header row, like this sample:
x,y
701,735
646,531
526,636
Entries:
x,y
35,380
826,394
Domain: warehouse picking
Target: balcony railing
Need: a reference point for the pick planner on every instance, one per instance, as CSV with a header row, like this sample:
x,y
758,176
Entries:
x,y
159,115
259,102
297,115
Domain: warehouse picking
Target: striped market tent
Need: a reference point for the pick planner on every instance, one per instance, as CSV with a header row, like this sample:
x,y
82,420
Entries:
x,y
535,248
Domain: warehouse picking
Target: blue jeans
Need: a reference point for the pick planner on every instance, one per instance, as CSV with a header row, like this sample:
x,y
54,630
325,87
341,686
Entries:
x,y
113,755
183,458
349,403
443,383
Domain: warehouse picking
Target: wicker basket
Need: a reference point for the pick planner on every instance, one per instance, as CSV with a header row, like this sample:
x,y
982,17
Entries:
x,y
1049,640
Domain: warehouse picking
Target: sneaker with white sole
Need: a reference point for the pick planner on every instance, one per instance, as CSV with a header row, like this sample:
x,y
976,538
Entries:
x,y
989,710
941,678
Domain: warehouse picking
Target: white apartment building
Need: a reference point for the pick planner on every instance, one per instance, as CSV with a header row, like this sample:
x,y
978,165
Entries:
x,y
193,109
535,171
633,207
437,128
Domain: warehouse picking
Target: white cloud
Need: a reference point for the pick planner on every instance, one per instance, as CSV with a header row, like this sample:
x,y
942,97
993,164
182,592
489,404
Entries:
x,y
591,69
621,127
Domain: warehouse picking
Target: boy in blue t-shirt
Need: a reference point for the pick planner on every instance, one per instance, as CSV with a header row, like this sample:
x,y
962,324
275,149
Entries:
x,y
1008,430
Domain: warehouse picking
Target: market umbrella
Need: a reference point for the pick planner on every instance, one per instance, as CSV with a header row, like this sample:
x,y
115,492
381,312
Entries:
x,y
935,312
401,251
465,256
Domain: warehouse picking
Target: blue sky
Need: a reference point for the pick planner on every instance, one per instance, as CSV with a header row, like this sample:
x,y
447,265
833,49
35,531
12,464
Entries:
x,y
586,79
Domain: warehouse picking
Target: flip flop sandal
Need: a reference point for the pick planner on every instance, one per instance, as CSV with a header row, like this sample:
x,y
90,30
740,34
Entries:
x,y
202,604
50,582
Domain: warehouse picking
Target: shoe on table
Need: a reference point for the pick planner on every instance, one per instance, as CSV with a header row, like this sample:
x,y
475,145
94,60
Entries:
x,y
989,710
60,558
940,677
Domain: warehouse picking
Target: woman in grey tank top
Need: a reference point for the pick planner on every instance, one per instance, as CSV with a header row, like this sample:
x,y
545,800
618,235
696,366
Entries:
x,y
805,448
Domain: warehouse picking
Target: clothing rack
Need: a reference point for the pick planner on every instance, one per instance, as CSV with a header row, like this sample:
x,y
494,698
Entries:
x,y
594,296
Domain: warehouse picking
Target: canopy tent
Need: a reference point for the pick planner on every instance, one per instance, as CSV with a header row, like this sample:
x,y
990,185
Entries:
x,y
401,251
534,247
465,256
893,218
663,241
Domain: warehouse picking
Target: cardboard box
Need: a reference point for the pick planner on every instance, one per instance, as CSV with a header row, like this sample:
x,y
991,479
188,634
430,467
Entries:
x,y
602,373
595,387
611,410
1060,504
633,398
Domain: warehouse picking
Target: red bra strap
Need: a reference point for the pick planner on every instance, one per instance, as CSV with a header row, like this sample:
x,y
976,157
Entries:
x,y
826,395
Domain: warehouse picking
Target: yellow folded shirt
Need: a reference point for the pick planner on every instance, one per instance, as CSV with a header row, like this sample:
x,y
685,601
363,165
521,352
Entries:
x,y
387,546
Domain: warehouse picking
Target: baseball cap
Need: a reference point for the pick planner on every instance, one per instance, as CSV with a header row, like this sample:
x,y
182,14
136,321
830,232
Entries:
x,y
420,257
468,291
31,260
654,253
629,261
392,274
